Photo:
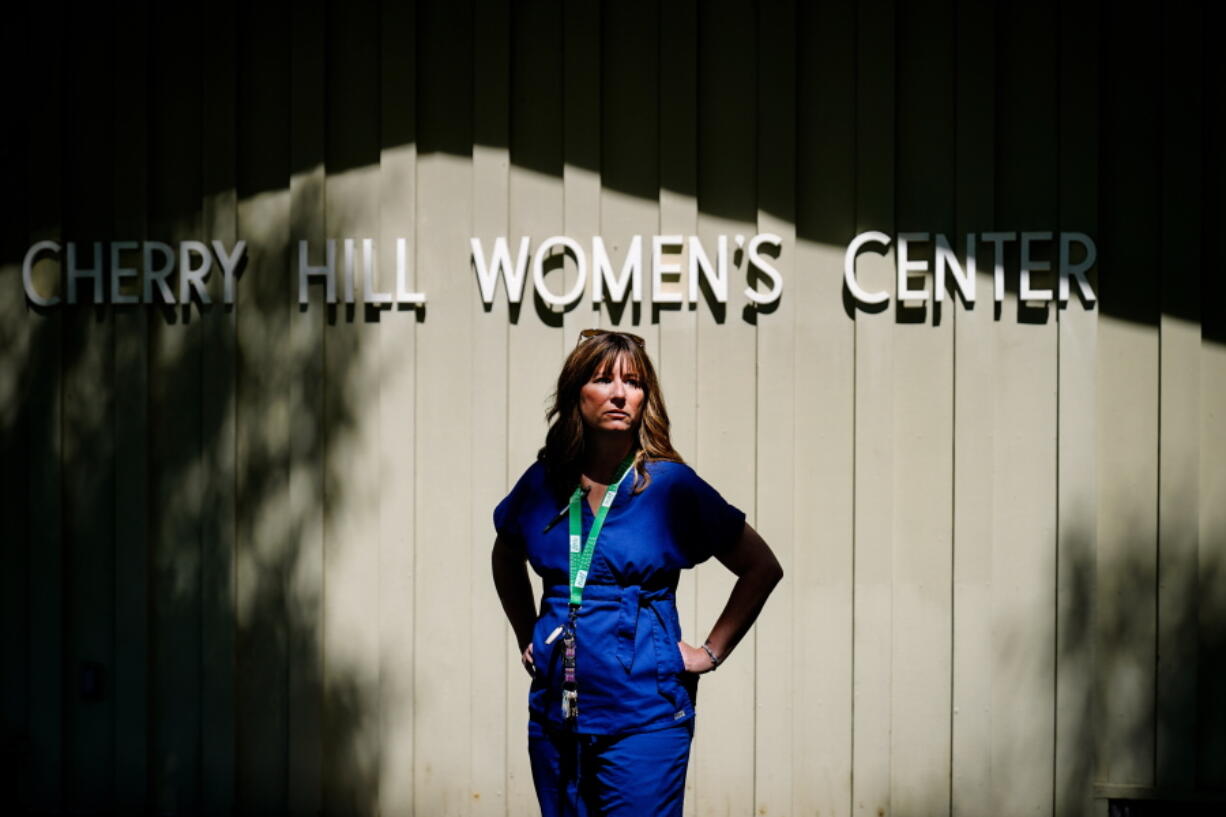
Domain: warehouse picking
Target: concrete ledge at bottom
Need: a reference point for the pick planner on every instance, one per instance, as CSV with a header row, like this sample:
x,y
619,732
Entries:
x,y
1116,800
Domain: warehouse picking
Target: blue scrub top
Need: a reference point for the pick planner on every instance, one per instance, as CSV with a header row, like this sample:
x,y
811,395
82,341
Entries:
x,y
628,667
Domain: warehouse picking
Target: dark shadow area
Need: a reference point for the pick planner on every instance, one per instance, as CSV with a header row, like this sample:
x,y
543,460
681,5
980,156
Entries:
x,y
1151,611
641,108
1212,290
156,642
1162,808
536,121
627,152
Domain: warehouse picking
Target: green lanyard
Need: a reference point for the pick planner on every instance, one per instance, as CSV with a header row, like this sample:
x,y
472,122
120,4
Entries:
x,y
581,557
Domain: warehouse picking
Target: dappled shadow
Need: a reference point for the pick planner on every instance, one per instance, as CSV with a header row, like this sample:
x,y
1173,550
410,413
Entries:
x,y
1148,616
168,470
1140,656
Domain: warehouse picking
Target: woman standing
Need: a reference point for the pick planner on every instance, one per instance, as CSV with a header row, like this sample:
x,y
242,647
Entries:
x,y
608,516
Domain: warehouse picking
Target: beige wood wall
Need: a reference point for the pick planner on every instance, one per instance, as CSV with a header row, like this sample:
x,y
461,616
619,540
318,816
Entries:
x,y
266,529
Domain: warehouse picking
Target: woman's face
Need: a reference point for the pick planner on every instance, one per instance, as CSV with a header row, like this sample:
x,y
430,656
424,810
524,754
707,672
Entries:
x,y
612,399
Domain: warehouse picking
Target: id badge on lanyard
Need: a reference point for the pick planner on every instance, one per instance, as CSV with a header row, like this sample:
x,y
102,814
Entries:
x,y
580,563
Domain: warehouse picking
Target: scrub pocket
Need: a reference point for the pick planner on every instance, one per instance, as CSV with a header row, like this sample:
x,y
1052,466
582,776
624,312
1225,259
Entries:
x,y
677,685
547,660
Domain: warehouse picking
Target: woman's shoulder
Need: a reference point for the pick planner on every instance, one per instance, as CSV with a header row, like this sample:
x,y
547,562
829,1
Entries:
x,y
680,481
526,495
667,468
669,472
532,478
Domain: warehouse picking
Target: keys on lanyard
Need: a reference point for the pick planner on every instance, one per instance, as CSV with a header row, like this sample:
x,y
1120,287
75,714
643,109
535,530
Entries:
x,y
570,686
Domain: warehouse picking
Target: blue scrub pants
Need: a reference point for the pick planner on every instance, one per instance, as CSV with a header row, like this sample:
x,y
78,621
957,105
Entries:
x,y
635,775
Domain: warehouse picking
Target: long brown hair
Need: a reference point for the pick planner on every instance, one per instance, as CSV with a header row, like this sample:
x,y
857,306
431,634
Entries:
x,y
565,441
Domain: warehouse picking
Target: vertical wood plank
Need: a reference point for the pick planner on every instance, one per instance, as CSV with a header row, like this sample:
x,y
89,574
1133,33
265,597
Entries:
x,y
1076,468
87,424
1211,561
678,216
444,682
131,578
726,387
176,468
354,505
676,361
175,443
676,358
875,440
131,386
45,135
1128,378
1179,397
923,420
500,771
264,523
821,566
581,154
975,375
18,331
512,793
629,148
219,421
1025,412
775,769
397,399
309,775
536,211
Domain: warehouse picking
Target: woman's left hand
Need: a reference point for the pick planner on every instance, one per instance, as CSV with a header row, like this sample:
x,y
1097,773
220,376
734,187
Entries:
x,y
695,659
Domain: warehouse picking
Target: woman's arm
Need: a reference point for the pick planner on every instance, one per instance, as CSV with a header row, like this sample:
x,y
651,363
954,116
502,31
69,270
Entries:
x,y
515,592
757,571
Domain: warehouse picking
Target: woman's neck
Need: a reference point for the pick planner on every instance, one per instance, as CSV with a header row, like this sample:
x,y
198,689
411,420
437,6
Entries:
x,y
603,452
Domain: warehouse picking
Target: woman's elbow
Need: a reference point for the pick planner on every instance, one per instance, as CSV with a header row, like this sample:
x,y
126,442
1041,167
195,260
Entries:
x,y
774,573
768,562
767,571
503,558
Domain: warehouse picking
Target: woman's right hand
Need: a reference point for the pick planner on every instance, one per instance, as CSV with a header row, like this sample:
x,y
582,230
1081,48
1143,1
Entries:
x,y
526,660
694,659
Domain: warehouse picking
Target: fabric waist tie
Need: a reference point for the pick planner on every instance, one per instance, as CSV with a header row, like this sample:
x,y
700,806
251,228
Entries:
x,y
631,599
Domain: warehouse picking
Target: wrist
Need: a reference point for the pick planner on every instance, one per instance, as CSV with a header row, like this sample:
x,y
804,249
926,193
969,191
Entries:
x,y
715,659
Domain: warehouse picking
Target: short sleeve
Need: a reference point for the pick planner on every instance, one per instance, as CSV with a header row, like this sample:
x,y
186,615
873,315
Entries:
x,y
507,513
712,524
503,524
